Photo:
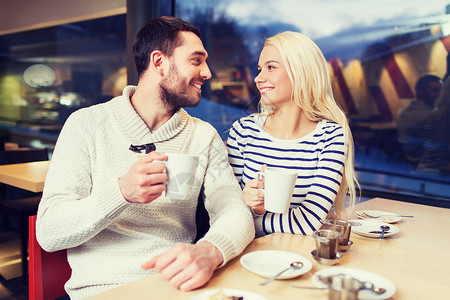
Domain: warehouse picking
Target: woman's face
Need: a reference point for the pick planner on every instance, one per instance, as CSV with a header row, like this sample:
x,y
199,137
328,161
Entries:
x,y
273,81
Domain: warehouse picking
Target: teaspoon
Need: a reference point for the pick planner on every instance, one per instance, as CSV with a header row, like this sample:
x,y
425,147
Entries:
x,y
376,290
296,265
384,228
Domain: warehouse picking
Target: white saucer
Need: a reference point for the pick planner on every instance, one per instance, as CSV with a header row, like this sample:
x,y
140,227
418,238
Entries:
x,y
361,275
386,217
229,292
366,226
267,263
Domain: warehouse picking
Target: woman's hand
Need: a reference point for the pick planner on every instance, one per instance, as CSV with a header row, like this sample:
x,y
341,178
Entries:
x,y
253,194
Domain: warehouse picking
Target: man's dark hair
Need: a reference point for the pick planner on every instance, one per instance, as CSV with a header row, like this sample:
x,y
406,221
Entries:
x,y
159,34
424,81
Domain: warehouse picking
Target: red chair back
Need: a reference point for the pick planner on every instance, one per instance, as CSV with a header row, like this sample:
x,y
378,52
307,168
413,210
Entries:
x,y
48,272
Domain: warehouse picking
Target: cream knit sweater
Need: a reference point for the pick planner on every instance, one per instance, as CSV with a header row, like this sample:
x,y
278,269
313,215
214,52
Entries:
x,y
108,238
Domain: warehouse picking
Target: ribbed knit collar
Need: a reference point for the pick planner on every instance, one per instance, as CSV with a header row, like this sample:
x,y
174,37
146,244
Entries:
x,y
135,128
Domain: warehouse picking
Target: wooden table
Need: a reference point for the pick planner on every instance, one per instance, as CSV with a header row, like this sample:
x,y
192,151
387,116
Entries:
x,y
416,260
28,176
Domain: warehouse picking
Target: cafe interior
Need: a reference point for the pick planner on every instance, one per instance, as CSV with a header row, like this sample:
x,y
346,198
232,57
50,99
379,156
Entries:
x,y
59,56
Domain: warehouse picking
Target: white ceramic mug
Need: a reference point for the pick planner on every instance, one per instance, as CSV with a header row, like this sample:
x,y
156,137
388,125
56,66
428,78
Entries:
x,y
180,170
278,188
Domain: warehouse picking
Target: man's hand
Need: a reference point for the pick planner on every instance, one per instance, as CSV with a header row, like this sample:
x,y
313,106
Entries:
x,y
144,181
187,266
253,196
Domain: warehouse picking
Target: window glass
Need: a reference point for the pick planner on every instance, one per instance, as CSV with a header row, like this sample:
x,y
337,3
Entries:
x,y
48,73
377,51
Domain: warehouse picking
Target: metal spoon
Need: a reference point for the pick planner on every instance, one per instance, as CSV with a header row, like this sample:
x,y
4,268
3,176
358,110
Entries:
x,y
296,265
379,216
371,287
384,228
376,290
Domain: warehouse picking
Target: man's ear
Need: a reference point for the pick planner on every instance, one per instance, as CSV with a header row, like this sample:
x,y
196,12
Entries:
x,y
157,59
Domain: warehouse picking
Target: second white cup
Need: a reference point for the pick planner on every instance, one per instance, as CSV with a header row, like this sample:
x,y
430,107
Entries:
x,y
278,188
180,169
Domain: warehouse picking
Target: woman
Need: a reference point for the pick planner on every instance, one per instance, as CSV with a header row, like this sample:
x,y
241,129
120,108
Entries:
x,y
304,130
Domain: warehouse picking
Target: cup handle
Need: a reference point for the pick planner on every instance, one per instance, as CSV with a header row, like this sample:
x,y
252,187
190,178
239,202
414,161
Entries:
x,y
259,176
164,162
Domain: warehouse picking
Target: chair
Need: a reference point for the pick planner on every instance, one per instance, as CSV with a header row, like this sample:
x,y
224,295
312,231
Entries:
x,y
14,205
48,271
201,218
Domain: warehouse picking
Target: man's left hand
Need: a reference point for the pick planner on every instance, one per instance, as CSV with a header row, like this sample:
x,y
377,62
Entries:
x,y
187,266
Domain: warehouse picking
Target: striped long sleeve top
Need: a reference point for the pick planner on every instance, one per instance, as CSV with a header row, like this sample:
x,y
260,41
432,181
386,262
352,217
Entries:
x,y
317,157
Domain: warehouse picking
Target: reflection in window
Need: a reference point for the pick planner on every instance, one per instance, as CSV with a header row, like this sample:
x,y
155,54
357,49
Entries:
x,y
52,72
375,56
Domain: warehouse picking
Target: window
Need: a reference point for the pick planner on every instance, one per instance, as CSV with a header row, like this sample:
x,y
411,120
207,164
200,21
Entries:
x,y
46,74
377,51
376,56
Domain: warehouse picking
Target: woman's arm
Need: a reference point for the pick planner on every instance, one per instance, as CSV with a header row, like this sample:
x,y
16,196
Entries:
x,y
320,196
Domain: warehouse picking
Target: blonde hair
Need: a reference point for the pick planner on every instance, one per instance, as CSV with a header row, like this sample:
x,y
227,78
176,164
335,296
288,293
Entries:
x,y
312,92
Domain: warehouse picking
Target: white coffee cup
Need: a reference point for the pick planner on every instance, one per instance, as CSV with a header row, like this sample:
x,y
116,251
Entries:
x,y
278,188
180,170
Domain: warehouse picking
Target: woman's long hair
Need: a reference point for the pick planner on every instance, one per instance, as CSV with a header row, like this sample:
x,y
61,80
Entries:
x,y
312,92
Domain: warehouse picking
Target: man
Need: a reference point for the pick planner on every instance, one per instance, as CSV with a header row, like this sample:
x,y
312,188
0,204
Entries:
x,y
436,156
411,122
104,203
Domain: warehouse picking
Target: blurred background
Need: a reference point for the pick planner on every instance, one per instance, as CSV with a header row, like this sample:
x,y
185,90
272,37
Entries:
x,y
59,56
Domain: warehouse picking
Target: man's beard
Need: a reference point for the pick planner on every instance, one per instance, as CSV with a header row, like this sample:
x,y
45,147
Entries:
x,y
175,93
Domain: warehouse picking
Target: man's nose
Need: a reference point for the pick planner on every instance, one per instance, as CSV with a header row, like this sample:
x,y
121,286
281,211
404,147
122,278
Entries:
x,y
206,72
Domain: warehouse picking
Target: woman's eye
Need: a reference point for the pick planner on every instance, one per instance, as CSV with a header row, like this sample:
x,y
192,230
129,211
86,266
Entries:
x,y
270,67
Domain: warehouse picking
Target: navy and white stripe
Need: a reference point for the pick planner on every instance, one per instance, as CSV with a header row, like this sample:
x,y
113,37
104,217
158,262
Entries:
x,y
317,157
